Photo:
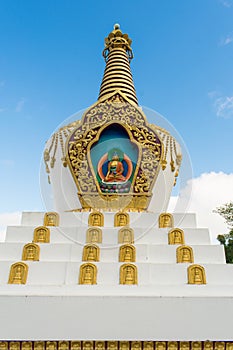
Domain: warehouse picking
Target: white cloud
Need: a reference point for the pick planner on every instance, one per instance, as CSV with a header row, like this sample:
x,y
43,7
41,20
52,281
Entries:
x,y
224,107
227,40
8,219
226,3
209,191
20,105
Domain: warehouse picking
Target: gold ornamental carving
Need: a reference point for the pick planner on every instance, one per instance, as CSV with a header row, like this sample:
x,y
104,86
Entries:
x,y
196,345
88,274
128,274
219,345
196,274
26,345
51,345
184,254
127,253
3,345
41,235
96,219
126,235
99,345
14,345
166,220
124,345
91,252
148,345
100,116
75,345
160,345
51,219
39,345
115,345
184,345
208,345
18,273
172,345
112,345
176,236
31,251
63,345
136,345
121,219
94,235
88,345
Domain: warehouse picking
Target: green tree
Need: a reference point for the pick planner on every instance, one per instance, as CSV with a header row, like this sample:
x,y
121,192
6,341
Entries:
x,y
226,211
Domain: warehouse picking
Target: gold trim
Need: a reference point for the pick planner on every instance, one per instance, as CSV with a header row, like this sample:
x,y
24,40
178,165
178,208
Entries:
x,y
78,145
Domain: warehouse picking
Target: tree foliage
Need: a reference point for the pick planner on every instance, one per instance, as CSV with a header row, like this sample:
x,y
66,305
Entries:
x,y
226,211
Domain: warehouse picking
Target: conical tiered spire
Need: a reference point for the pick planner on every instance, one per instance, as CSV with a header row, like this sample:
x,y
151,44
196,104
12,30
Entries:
x,y
117,74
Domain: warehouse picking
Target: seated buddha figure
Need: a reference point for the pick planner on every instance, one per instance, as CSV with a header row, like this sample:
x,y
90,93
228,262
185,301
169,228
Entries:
x,y
115,170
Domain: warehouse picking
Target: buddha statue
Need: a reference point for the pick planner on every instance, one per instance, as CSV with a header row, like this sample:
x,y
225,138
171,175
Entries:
x,y
31,251
112,345
63,345
184,345
165,220
91,252
127,253
51,219
229,346
121,219
136,345
94,235
26,345
88,345
39,345
99,345
41,235
18,273
148,345
128,274
196,274
176,236
51,345
14,345
126,235
115,170
184,254
124,345
96,219
208,345
75,345
160,345
219,345
87,274
196,345
172,345
3,345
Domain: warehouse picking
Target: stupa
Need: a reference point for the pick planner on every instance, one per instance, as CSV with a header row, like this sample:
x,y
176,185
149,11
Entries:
x,y
109,268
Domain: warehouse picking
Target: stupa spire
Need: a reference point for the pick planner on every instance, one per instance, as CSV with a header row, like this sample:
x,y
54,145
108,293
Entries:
x,y
117,74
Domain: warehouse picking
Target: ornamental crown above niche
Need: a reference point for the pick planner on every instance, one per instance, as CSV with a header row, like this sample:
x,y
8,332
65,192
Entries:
x,y
113,158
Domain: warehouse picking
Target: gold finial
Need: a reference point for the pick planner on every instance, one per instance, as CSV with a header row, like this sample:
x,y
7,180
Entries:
x,y
116,39
117,75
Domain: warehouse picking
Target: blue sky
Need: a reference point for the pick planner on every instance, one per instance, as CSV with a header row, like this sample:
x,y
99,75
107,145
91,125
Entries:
x,y
51,67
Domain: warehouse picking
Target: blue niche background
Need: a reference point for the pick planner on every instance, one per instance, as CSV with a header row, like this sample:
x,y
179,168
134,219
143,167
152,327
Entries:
x,y
114,139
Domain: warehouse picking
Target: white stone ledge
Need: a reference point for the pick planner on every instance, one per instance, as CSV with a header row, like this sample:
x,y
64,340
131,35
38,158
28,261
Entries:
x,y
109,318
